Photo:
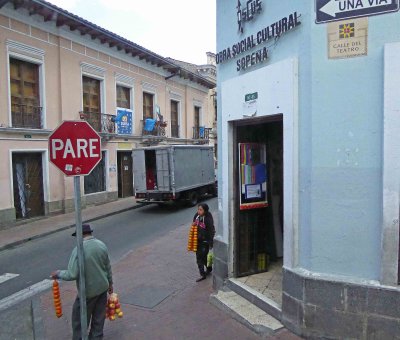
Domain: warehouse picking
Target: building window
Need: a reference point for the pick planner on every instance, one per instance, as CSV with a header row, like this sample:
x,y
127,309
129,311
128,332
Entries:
x,y
25,94
91,95
123,97
174,119
148,105
96,181
196,117
92,102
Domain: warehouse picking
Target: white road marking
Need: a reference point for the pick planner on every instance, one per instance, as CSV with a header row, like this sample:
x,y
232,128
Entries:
x,y
23,294
7,276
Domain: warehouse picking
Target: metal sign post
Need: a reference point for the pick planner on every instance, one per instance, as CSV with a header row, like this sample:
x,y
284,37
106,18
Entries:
x,y
81,262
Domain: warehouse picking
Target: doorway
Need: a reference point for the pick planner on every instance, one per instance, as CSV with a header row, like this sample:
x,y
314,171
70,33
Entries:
x,y
28,185
125,174
258,160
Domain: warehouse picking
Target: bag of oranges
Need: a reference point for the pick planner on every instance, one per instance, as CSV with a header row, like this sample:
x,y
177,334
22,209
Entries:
x,y
57,299
192,240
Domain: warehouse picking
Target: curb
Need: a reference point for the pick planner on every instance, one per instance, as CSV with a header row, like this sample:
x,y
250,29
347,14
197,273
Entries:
x,y
37,321
35,237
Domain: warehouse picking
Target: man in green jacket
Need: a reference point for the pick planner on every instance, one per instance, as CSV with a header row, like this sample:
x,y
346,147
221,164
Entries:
x,y
98,280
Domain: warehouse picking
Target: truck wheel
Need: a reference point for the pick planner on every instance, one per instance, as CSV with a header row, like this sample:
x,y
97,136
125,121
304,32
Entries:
x,y
193,198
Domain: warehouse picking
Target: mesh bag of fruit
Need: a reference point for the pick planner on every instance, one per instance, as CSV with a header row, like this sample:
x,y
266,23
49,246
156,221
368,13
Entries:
x,y
113,309
192,239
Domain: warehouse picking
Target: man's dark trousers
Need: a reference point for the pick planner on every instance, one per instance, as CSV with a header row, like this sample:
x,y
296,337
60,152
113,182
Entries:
x,y
96,315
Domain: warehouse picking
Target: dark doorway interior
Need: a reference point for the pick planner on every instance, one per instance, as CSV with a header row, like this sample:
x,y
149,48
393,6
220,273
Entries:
x,y
151,169
28,185
259,231
125,174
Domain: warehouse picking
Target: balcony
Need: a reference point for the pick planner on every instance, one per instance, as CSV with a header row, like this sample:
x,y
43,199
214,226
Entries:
x,y
26,116
101,122
154,129
201,134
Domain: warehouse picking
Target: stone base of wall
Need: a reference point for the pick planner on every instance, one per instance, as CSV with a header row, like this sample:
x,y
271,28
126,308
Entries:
x,y
316,308
59,207
100,198
7,216
220,265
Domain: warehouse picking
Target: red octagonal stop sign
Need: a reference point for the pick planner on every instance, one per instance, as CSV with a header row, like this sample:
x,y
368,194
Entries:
x,y
75,148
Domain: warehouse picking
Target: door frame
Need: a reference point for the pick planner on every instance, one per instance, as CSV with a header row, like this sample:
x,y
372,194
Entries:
x,y
277,85
45,174
235,184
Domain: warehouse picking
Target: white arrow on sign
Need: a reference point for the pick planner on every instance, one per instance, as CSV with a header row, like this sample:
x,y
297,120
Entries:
x,y
334,7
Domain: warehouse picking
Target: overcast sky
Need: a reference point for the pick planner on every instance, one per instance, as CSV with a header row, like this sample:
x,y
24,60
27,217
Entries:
x,y
180,29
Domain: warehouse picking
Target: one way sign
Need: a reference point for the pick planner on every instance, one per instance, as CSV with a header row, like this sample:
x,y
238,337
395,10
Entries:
x,y
333,10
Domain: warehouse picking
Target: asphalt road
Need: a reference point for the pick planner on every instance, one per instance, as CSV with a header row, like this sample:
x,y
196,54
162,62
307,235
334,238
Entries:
x,y
122,233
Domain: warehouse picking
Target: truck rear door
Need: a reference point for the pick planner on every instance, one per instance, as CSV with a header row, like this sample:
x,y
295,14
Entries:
x,y
139,170
163,173
207,161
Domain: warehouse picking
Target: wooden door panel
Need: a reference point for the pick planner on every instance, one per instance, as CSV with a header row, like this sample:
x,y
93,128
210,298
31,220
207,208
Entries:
x,y
125,174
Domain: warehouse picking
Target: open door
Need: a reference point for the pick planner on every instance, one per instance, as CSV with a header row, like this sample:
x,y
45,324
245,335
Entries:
x,y
163,175
139,170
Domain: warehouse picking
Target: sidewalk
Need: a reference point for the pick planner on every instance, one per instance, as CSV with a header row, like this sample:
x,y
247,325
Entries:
x,y
161,276
30,230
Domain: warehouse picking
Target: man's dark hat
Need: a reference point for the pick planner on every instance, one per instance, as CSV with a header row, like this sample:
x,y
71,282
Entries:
x,y
86,229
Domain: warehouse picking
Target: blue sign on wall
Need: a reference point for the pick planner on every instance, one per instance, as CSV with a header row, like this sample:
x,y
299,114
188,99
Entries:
x,y
334,10
124,121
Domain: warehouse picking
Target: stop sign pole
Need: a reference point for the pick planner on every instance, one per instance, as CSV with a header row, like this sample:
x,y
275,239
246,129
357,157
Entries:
x,y
81,258
75,149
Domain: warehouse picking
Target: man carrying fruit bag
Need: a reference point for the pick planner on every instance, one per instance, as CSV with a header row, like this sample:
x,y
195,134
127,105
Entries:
x,y
98,277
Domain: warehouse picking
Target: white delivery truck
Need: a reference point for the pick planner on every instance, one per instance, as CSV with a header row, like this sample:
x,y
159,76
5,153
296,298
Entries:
x,y
174,173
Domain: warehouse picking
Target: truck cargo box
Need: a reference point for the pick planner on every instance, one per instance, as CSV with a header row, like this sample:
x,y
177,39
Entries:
x,y
173,172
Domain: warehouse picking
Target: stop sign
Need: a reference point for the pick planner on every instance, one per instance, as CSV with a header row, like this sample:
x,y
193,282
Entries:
x,y
75,148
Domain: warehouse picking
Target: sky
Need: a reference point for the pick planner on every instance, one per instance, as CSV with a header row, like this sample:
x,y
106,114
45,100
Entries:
x,y
180,29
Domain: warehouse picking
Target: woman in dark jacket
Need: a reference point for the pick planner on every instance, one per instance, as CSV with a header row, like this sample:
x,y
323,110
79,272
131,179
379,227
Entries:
x,y
206,232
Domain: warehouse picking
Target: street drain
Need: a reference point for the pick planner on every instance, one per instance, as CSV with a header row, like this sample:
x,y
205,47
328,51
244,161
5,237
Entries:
x,y
146,296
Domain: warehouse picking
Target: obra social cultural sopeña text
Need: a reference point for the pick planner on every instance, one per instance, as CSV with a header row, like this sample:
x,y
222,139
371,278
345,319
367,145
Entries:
x,y
270,32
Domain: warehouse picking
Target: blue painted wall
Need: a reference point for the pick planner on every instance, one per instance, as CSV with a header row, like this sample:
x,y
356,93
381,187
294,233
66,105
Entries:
x,y
340,135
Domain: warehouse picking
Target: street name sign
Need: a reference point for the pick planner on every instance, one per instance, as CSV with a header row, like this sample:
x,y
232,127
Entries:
x,y
75,148
334,10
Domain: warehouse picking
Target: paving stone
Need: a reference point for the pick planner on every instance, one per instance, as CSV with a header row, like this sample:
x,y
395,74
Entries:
x,y
356,299
338,324
292,310
383,328
293,284
330,295
146,296
274,295
384,302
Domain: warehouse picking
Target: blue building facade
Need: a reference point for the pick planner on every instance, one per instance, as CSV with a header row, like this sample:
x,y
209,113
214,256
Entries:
x,y
323,99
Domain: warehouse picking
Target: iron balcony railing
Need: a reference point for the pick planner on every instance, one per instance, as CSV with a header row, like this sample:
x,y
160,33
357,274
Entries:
x,y
101,122
26,116
175,131
158,129
200,132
